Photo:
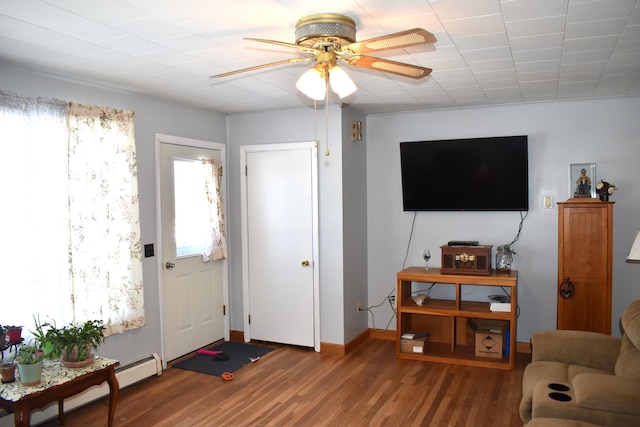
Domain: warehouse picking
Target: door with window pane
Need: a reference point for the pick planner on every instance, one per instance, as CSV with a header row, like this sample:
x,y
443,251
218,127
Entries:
x,y
192,289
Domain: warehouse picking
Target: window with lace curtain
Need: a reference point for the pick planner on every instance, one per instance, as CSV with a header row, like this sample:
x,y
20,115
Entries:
x,y
71,235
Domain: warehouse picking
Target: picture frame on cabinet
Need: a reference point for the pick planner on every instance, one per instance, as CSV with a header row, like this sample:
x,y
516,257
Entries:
x,y
582,180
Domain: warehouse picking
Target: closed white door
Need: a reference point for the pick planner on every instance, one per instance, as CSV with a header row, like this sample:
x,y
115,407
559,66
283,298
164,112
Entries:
x,y
193,297
280,240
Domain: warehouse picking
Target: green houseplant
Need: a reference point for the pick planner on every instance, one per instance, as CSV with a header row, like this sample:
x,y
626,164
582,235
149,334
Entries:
x,y
42,334
76,341
29,360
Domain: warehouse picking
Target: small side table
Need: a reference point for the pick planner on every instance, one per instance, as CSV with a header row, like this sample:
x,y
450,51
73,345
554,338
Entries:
x,y
59,383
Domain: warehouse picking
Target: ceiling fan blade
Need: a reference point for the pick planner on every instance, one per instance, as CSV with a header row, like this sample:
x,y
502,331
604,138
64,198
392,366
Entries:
x,y
413,37
305,49
387,66
258,67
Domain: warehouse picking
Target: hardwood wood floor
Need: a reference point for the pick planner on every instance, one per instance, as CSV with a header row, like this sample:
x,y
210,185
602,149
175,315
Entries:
x,y
292,386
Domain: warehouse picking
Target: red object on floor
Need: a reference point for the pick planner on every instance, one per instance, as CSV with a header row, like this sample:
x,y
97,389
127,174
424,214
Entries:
x,y
208,352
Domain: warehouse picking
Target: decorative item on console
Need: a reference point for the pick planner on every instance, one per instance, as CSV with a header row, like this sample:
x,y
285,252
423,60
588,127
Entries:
x,y
582,178
504,258
605,189
466,259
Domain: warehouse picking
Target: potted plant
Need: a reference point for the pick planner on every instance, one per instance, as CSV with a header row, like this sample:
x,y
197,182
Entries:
x,y
29,360
3,338
76,341
14,334
44,336
7,372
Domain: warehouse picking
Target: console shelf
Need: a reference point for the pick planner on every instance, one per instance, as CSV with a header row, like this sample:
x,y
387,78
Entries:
x,y
451,341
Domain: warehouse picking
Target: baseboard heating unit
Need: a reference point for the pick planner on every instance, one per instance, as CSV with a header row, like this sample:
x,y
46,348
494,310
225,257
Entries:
x,y
127,375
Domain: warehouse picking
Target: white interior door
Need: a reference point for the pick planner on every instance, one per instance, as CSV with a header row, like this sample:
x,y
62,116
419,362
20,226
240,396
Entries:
x,y
280,243
193,291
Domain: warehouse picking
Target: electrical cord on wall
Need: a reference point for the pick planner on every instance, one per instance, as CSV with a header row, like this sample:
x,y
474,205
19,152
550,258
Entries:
x,y
406,255
515,239
390,296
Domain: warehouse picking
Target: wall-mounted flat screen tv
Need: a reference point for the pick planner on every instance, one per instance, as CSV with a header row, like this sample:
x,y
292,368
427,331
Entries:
x,y
474,174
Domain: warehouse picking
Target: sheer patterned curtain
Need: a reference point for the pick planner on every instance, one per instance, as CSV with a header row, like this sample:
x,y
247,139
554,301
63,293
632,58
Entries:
x,y
71,234
104,213
215,237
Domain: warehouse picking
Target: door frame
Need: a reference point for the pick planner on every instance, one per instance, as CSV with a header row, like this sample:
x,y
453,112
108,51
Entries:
x,y
244,150
188,142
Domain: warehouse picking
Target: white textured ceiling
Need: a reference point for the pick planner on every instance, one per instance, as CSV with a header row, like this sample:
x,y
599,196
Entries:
x,y
488,51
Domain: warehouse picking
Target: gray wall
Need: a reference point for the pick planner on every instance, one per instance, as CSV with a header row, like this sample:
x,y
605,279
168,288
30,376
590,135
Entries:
x,y
605,132
297,125
151,117
354,220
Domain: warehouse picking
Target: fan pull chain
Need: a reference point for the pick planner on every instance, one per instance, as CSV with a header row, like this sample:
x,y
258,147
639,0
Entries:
x,y
326,115
315,121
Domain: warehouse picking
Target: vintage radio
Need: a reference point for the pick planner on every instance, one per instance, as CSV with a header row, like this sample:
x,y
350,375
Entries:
x,y
466,259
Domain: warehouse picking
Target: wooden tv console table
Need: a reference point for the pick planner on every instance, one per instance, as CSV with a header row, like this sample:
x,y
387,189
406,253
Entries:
x,y
450,339
59,383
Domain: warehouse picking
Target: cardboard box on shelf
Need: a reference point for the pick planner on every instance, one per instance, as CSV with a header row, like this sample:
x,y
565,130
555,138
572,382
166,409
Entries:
x,y
416,344
490,337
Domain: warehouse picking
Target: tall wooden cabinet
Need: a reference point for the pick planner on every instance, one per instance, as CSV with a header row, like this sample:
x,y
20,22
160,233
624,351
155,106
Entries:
x,y
585,253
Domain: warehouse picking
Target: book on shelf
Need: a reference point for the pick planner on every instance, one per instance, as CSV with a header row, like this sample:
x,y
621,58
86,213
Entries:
x,y
500,306
500,303
413,336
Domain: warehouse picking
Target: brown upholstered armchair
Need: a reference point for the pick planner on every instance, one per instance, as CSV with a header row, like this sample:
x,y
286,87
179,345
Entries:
x,y
585,376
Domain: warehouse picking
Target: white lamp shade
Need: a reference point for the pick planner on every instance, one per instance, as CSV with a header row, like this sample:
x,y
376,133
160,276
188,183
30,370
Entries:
x,y
340,82
634,254
312,84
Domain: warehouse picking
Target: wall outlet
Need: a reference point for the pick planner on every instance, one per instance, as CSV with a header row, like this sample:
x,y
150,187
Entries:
x,y
548,202
358,307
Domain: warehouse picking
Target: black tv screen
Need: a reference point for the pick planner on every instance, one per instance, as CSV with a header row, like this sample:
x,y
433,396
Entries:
x,y
475,174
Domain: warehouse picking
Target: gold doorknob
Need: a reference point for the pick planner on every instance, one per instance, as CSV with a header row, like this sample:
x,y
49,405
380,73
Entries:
x,y
305,263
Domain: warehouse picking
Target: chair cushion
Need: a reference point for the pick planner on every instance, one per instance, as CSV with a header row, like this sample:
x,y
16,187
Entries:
x,y
574,370
608,393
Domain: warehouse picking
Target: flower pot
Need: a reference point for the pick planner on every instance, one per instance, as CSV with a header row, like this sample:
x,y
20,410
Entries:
x,y
30,375
15,335
70,360
79,364
8,372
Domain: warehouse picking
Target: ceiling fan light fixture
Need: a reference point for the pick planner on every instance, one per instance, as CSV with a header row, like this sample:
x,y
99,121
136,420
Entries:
x,y
312,84
340,82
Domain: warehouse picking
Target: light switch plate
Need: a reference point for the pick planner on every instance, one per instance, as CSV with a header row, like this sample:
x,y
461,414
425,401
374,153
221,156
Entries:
x,y
356,131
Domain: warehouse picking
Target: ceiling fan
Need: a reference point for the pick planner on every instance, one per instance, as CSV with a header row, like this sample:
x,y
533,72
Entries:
x,y
328,38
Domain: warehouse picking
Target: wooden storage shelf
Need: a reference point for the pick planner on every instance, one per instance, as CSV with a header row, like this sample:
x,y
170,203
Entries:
x,y
446,320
